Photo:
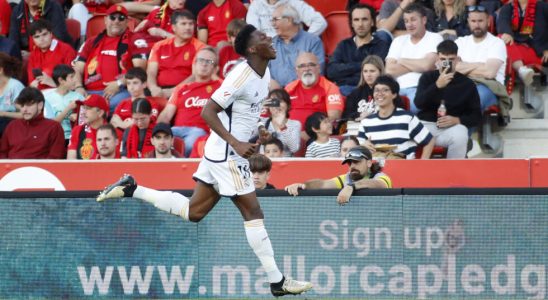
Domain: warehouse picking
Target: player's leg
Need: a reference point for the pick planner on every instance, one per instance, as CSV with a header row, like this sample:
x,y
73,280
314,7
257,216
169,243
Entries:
x,y
257,237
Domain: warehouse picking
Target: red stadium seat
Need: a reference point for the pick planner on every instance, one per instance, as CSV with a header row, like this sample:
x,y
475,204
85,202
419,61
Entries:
x,y
179,145
73,28
198,147
337,30
437,152
327,6
96,24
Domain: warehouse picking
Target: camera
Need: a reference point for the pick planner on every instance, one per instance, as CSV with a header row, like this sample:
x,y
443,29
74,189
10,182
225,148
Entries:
x,y
447,65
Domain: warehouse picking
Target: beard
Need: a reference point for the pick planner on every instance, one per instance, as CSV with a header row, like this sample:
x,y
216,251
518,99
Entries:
x,y
308,78
478,33
355,175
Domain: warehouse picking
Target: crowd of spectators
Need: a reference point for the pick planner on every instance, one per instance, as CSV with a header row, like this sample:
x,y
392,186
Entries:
x,y
136,88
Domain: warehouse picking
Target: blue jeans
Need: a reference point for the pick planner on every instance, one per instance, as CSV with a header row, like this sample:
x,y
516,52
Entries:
x,y
114,100
346,89
410,93
487,98
189,135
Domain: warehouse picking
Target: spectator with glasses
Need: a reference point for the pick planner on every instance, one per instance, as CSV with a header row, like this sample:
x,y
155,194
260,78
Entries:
x,y
312,92
290,40
363,173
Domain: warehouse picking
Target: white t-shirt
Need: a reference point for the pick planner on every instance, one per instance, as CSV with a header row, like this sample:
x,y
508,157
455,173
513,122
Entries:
x,y
402,47
241,96
490,48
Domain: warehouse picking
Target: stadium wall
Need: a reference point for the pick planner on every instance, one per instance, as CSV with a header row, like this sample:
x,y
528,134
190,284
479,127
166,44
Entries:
x,y
393,244
177,174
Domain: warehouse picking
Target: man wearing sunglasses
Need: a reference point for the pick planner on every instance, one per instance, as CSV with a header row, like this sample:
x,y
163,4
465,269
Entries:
x,y
102,60
363,173
482,55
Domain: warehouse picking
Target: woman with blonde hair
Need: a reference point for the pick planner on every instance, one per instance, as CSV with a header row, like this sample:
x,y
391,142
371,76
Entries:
x,y
451,18
360,104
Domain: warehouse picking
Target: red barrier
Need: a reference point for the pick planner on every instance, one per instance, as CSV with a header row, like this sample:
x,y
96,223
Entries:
x,y
65,175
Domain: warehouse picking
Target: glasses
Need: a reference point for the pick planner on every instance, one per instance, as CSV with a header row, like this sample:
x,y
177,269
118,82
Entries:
x,y
276,19
204,61
381,91
118,17
473,8
308,65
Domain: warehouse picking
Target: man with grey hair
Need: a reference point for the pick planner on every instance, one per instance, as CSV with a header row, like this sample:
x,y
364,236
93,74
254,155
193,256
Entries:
x,y
260,12
291,40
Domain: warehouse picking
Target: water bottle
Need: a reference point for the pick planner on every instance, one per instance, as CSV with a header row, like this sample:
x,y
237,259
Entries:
x,y
442,110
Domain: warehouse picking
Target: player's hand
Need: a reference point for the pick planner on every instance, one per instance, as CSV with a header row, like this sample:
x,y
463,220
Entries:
x,y
444,79
293,189
344,195
264,135
447,121
244,149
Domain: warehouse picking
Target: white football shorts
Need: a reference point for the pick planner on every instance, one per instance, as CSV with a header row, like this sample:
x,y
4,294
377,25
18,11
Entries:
x,y
232,177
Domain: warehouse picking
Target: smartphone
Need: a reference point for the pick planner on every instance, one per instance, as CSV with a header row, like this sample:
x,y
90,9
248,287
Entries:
x,y
272,102
447,65
36,72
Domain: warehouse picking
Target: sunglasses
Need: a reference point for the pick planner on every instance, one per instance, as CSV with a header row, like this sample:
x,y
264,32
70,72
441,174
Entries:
x,y
355,154
473,8
120,18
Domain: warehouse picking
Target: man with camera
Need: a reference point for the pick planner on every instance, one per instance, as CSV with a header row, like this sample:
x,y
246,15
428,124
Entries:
x,y
459,96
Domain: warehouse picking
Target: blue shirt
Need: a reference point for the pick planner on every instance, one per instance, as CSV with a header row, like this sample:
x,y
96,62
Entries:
x,y
56,103
282,69
11,91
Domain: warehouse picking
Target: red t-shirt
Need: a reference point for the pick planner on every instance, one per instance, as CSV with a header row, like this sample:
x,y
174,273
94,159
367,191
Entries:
x,y
324,96
58,53
101,62
5,8
216,18
228,58
97,6
190,99
88,148
123,110
174,63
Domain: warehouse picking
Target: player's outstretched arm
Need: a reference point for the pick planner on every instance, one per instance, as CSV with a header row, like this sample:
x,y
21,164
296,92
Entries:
x,y
209,114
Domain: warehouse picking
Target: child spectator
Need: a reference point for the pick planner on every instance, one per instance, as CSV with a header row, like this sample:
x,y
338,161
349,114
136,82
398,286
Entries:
x,y
136,142
347,143
319,129
260,166
61,101
274,148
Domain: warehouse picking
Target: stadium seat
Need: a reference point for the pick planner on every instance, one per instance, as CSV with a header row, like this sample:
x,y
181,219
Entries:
x,y
96,24
160,101
302,150
73,28
198,147
327,6
337,30
179,145
437,152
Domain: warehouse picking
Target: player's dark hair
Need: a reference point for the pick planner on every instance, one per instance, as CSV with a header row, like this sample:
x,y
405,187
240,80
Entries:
x,y
242,39
372,13
415,7
11,66
275,141
109,127
39,25
61,71
138,73
181,13
141,105
29,95
259,163
283,96
447,47
234,27
313,122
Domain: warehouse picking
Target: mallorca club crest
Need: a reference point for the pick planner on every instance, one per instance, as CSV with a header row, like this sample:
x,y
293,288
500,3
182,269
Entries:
x,y
86,151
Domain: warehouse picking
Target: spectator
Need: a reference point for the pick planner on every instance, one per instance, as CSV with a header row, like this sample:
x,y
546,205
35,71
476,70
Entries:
x,y
344,66
47,53
290,40
188,99
280,125
214,18
107,142
82,143
6,45
9,89
33,136
61,101
460,99
83,10
483,55
451,18
360,103
412,54
523,25
348,142
260,166
171,59
391,18
393,126
136,83
136,142
363,173
101,62
28,11
228,57
260,15
274,148
319,128
313,92
162,140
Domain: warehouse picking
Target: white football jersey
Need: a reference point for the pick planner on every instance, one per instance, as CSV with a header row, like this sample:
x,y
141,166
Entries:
x,y
241,96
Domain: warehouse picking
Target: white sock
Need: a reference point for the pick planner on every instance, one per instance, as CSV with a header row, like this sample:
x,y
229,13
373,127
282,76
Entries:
x,y
258,239
173,203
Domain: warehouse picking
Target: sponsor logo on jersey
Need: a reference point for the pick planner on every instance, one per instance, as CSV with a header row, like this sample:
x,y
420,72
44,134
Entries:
x,y
334,98
195,102
109,52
